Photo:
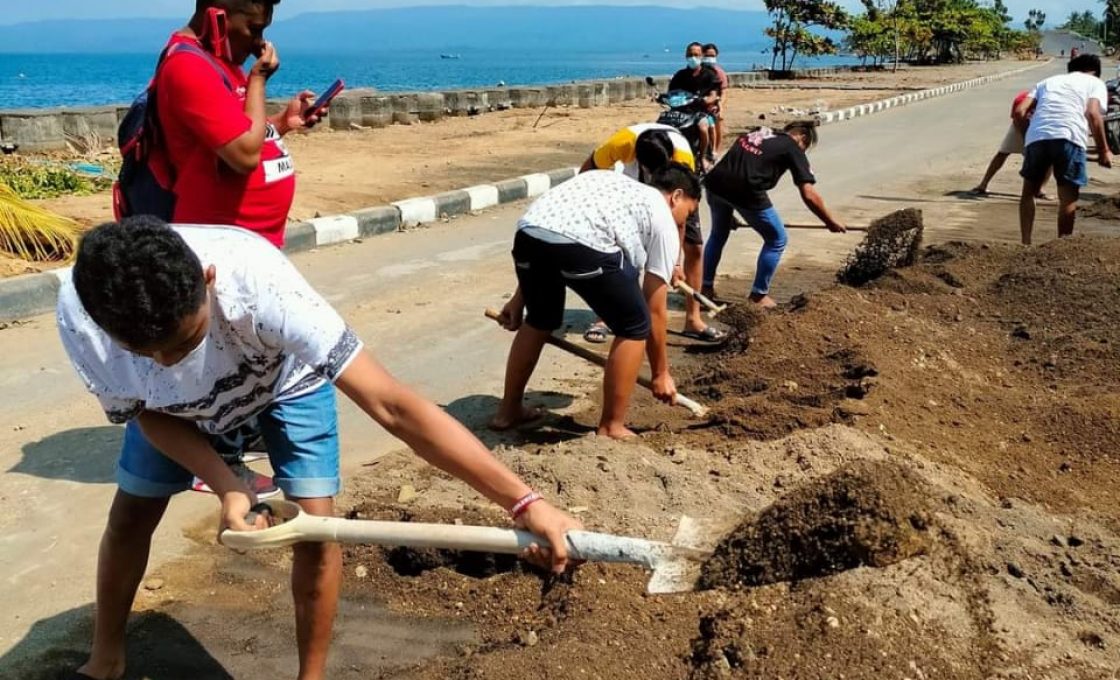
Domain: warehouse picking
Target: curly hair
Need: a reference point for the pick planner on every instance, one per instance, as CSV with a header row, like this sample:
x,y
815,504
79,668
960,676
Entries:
x,y
138,280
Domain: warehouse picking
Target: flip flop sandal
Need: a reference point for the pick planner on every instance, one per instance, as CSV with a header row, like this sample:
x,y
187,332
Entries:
x,y
709,334
597,334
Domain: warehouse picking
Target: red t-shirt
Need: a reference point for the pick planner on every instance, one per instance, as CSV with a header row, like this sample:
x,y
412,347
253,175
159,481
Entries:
x,y
199,115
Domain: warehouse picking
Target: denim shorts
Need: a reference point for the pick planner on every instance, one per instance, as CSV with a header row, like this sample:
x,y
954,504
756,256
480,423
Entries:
x,y
1068,160
301,436
607,282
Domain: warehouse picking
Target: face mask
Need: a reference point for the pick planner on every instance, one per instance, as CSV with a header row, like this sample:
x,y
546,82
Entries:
x,y
694,62
710,61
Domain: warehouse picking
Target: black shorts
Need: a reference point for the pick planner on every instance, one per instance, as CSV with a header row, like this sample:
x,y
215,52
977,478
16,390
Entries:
x,y
607,282
692,232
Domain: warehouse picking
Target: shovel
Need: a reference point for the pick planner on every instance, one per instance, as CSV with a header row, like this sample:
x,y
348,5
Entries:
x,y
675,567
599,360
713,309
740,224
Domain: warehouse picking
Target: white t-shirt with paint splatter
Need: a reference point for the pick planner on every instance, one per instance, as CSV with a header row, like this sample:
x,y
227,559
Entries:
x,y
271,338
609,212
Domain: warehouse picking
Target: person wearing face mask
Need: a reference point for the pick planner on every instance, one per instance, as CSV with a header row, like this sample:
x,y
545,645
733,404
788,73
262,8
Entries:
x,y
595,234
703,82
711,60
229,161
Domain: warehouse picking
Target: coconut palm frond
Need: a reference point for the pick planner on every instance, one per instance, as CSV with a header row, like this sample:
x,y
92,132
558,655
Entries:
x,y
33,233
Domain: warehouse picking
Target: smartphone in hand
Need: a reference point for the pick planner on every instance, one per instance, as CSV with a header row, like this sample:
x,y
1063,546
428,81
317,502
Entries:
x,y
325,99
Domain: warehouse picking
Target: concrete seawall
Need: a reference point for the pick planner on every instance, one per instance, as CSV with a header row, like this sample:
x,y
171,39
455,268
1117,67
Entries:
x,y
48,129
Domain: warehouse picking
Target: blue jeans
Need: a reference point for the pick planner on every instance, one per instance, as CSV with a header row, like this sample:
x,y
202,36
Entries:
x,y
768,224
301,435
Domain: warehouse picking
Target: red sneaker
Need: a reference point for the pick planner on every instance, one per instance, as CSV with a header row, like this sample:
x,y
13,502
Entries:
x,y
261,485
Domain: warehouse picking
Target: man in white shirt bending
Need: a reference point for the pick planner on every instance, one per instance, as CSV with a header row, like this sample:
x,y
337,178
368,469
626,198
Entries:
x,y
1066,109
595,234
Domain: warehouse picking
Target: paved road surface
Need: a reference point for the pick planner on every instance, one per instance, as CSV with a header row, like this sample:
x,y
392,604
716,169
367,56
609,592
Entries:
x,y
417,299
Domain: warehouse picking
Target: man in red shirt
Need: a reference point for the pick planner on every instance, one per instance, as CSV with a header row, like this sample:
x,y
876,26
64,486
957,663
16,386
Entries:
x,y
1014,142
229,160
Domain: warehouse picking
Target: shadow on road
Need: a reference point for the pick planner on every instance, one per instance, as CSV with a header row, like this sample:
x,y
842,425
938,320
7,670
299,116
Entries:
x,y
476,410
87,455
159,648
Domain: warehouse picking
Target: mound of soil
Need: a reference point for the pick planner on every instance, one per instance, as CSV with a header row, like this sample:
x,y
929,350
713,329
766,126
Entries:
x,y
1107,208
865,514
1001,360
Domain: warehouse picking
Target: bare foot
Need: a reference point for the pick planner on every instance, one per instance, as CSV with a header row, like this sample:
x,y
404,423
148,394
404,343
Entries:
x,y
503,422
763,301
108,671
618,432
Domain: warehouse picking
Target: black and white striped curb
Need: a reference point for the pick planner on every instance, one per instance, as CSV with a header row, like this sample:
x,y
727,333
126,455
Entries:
x,y
25,296
862,110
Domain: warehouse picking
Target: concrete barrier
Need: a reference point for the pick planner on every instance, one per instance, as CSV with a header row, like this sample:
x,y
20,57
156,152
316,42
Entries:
x,y
466,102
499,99
100,123
345,113
527,97
405,109
592,95
34,130
430,106
562,95
376,110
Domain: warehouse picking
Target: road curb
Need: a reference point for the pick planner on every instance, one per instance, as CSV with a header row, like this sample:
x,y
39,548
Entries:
x,y
870,109
25,296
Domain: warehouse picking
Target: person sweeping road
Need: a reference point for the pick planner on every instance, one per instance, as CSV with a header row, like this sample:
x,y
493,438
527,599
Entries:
x,y
184,334
643,150
595,234
752,167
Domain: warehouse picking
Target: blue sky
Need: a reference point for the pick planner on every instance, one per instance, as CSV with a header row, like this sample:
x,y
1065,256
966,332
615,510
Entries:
x,y
16,12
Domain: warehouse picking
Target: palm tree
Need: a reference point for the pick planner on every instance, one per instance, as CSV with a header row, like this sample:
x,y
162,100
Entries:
x,y
33,233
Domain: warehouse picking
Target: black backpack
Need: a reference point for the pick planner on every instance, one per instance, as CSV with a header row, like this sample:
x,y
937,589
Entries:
x,y
146,177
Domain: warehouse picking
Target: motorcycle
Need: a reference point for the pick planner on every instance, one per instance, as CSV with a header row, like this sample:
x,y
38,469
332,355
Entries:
x,y
684,111
1112,116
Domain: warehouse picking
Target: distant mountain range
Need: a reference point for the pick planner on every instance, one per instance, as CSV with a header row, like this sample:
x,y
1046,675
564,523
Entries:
x,y
516,28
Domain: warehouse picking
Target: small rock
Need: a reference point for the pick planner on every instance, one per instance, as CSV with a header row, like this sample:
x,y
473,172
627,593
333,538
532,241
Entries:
x,y
579,510
407,494
1065,467
1066,570
790,385
604,467
832,622
1058,541
154,584
1015,570
361,571
528,638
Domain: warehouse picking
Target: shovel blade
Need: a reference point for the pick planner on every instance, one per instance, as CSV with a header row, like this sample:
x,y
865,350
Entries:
x,y
679,570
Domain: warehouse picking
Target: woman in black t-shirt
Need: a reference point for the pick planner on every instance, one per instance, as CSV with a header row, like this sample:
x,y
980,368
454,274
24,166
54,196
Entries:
x,y
740,182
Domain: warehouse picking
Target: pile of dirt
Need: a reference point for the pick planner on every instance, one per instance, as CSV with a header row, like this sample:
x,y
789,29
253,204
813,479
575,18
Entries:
x,y
1107,208
892,241
865,514
998,359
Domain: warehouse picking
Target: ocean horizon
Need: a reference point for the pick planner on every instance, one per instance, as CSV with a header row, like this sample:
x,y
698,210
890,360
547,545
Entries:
x,y
36,81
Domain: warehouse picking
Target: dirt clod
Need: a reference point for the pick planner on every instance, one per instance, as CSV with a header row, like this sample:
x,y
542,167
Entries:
x,y
892,241
867,514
